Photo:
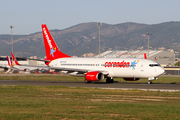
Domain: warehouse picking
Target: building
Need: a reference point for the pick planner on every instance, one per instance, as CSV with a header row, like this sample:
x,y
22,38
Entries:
x,y
164,58
88,55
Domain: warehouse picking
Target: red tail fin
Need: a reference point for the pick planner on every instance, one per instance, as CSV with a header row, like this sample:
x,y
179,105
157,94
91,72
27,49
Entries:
x,y
14,59
52,51
145,57
9,61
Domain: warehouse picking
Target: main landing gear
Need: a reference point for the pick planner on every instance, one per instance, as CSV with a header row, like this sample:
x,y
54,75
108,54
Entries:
x,y
109,80
86,81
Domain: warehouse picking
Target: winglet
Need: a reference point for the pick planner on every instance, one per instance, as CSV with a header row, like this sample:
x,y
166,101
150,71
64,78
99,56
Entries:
x,y
14,59
145,57
52,51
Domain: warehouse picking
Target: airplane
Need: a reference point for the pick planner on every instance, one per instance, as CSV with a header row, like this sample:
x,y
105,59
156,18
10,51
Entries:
x,y
96,69
14,64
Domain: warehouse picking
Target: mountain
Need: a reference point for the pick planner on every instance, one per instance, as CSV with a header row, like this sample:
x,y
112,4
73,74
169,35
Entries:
x,y
84,38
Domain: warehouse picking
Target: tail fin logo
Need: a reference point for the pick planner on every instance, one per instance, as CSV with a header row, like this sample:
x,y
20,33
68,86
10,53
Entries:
x,y
10,62
13,62
52,51
47,37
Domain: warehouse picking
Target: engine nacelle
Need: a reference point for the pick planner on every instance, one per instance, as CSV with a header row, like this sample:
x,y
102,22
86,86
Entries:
x,y
131,79
94,76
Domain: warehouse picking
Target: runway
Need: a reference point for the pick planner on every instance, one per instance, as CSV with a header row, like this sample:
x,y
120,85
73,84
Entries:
x,y
101,85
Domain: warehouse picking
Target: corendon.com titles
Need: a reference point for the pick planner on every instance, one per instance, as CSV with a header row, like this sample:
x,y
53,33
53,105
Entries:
x,y
117,64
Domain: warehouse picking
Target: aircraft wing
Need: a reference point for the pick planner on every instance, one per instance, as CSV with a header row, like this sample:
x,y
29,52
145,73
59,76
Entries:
x,y
36,67
34,59
82,71
13,68
5,67
31,68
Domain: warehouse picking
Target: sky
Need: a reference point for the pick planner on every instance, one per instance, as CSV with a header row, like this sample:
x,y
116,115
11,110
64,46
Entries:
x,y
27,15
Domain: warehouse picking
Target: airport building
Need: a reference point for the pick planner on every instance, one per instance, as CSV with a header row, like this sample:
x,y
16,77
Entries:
x,y
164,58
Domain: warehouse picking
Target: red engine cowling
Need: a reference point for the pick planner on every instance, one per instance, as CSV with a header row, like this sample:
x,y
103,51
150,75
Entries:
x,y
94,76
131,79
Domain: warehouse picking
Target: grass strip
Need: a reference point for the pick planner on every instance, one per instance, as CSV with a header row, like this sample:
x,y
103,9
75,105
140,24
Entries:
x,y
35,102
32,77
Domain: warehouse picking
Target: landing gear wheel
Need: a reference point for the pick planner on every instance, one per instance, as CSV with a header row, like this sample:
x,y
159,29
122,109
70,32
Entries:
x,y
149,82
86,81
109,80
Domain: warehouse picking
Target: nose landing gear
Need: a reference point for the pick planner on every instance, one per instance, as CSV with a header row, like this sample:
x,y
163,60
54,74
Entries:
x,y
150,79
150,82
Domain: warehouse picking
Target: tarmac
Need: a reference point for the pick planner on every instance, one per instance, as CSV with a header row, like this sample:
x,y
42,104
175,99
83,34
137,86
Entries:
x,y
100,85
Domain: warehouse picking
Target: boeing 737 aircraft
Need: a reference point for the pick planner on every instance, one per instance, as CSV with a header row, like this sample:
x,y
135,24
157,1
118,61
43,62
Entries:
x,y
96,69
16,66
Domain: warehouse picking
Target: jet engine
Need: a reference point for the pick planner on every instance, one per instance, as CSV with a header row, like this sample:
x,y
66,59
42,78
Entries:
x,y
131,79
94,76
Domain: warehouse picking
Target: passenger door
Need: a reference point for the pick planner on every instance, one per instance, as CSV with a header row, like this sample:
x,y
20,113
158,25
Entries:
x,y
142,67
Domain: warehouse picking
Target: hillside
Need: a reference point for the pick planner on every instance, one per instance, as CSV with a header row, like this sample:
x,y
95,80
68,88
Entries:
x,y
83,38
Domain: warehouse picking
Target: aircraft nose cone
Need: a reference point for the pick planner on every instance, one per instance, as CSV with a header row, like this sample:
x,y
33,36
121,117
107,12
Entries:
x,y
161,71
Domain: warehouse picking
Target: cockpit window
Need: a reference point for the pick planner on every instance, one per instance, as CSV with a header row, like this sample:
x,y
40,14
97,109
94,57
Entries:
x,y
152,65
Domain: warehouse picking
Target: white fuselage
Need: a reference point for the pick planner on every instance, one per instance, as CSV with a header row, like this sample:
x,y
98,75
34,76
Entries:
x,y
115,67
